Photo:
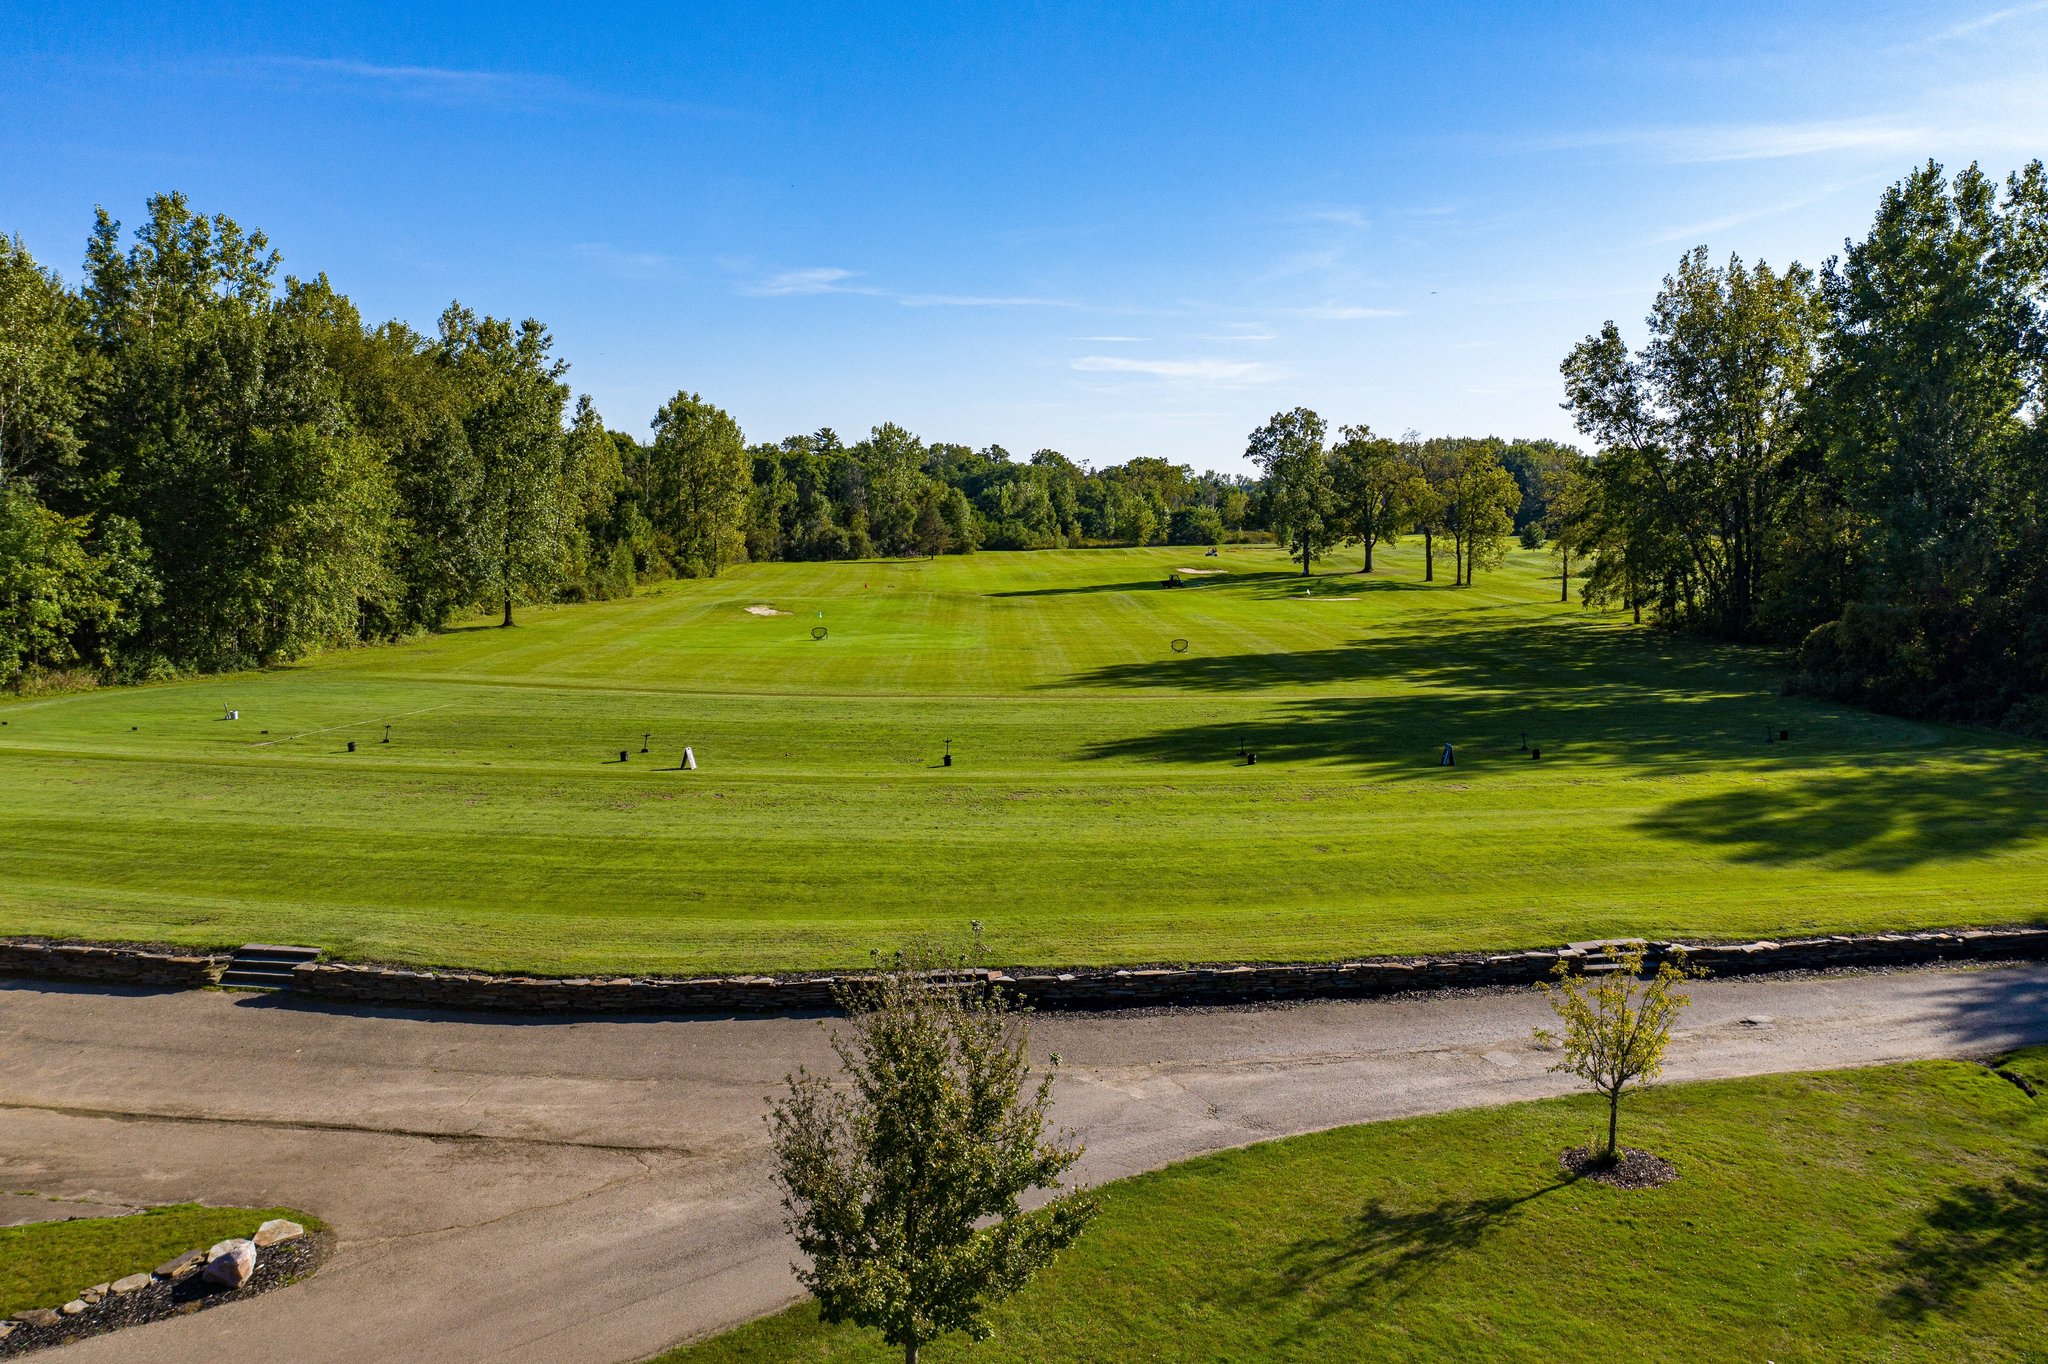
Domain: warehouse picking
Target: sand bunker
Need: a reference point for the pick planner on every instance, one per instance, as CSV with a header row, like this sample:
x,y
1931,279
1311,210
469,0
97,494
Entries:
x,y
1201,572
765,611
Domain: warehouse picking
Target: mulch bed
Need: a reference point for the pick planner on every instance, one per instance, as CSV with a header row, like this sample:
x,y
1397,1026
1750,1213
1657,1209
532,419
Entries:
x,y
1634,1170
275,1268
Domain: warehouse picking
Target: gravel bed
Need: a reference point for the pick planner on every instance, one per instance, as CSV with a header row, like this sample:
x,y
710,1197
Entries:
x,y
1635,1170
275,1268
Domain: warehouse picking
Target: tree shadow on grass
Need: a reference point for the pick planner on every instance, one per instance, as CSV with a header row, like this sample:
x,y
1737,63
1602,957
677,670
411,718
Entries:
x,y
1864,817
1201,580
1850,788
1379,1253
1565,657
1772,805
1970,1236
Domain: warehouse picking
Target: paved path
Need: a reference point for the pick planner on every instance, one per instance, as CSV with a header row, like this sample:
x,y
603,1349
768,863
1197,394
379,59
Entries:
x,y
594,1191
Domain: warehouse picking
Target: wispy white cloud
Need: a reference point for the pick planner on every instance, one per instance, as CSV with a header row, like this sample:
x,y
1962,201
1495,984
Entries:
x,y
453,85
1192,371
1694,232
1339,214
439,78
1253,334
978,301
1343,312
1993,113
1751,141
822,279
830,279
634,265
1995,17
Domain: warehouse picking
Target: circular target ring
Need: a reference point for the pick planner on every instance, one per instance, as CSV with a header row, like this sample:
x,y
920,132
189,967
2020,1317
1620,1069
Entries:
x,y
817,632
1179,646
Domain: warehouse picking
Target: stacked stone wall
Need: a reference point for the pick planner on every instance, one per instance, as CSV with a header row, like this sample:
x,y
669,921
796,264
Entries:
x,y
1110,988
106,964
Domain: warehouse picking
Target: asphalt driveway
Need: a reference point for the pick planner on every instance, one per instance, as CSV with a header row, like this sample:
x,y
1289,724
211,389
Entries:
x,y
591,1192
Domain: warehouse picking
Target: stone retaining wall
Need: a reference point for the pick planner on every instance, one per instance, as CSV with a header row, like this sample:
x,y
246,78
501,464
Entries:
x,y
166,968
1118,989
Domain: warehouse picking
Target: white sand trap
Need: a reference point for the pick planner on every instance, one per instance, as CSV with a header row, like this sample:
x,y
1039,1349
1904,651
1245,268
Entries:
x,y
765,611
1201,572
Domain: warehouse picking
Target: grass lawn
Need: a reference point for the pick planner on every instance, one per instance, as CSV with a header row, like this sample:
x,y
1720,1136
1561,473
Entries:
x,y
1097,810
44,1264
1899,1213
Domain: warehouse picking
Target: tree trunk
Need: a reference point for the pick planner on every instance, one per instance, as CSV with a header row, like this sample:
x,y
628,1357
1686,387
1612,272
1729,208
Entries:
x,y
1368,556
1304,558
1428,557
508,606
1458,562
1613,1121
909,1352
1564,576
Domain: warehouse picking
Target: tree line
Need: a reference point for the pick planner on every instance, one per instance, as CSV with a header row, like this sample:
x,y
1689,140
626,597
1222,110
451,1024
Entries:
x,y
205,464
1850,461
1474,493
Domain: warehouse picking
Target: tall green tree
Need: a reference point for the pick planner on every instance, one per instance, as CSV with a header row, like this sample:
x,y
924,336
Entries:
x,y
66,597
1373,488
1712,403
1431,468
1302,498
223,435
704,454
1480,497
1561,472
891,462
513,398
46,374
1928,415
597,561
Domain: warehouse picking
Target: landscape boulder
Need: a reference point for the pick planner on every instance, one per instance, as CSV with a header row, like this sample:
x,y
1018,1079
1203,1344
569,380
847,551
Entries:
x,y
276,1232
230,1263
182,1268
74,1307
41,1317
133,1283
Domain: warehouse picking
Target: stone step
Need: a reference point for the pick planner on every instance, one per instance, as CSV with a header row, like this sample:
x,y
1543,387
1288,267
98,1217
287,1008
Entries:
x,y
266,966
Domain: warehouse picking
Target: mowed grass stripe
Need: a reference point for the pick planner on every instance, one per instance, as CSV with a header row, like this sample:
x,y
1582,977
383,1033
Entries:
x,y
1098,810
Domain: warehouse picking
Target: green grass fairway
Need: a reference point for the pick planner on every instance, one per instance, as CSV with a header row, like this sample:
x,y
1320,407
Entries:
x,y
45,1264
1097,811
1890,1214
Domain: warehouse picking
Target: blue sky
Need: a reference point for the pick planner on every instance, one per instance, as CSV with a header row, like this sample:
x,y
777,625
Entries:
x,y
1120,232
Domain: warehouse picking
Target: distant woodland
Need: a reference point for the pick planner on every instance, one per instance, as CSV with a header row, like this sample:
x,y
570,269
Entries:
x,y
207,464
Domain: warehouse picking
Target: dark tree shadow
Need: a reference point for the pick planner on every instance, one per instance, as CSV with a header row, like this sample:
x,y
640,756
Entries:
x,y
1869,819
1968,1237
1379,1253
1849,787
1564,656
1996,1009
1158,584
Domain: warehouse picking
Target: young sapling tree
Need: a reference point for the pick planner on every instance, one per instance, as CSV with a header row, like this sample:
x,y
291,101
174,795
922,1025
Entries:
x,y
902,1187
1615,1026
